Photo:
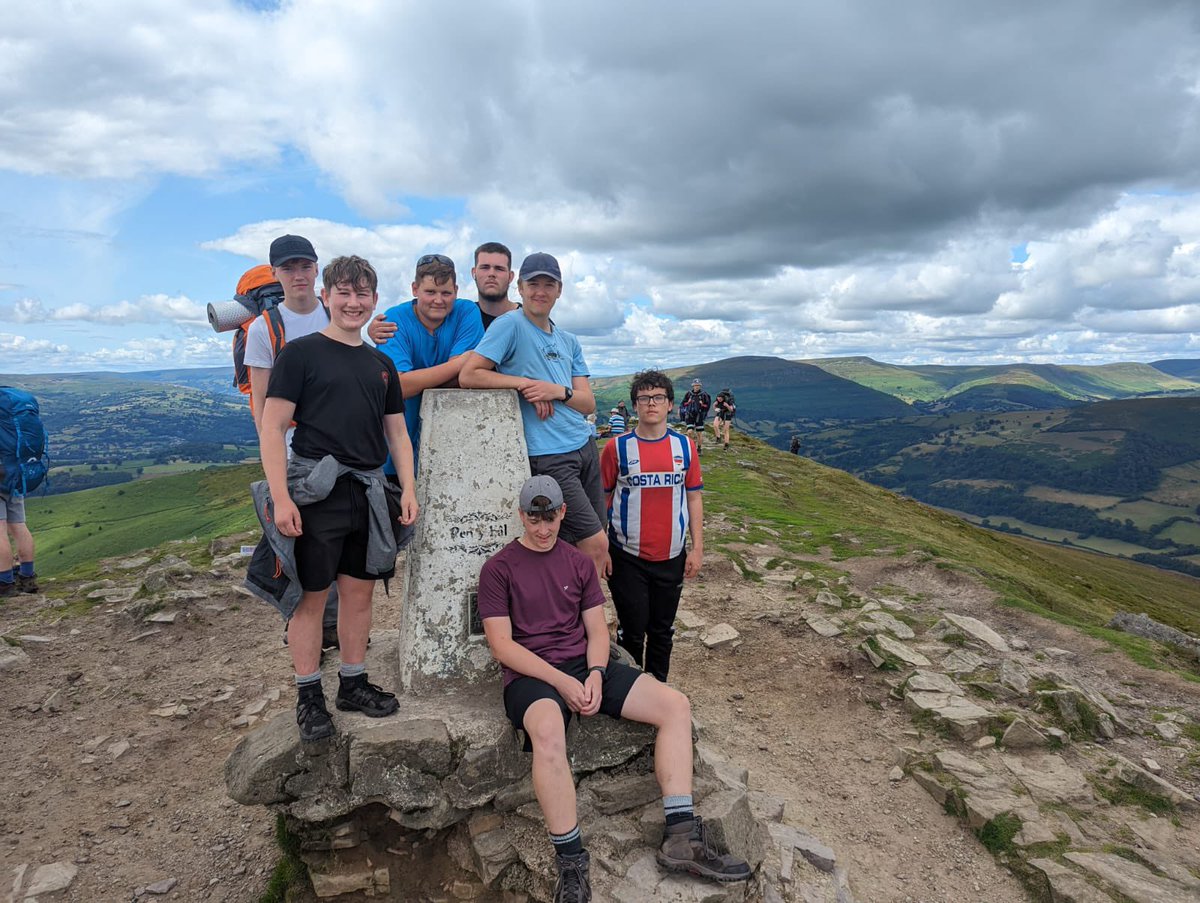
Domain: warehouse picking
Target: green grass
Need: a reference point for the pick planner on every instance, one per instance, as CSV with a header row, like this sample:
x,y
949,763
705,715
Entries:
x,y
998,833
290,871
122,519
1121,794
1075,588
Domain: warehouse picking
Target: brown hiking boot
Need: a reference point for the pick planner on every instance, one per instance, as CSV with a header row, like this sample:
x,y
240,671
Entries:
x,y
686,847
574,883
27,584
7,589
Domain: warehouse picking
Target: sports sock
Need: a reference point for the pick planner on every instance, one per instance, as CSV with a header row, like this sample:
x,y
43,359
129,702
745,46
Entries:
x,y
26,568
6,576
678,808
569,844
307,681
347,671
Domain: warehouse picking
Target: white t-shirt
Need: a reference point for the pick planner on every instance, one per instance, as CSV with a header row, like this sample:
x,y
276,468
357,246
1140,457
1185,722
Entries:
x,y
258,343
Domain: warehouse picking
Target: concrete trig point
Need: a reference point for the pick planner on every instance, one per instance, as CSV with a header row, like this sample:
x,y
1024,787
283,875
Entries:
x,y
472,462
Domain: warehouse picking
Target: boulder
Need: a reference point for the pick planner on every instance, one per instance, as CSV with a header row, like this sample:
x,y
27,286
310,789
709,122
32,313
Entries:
x,y
977,629
962,661
1067,886
1022,735
1135,881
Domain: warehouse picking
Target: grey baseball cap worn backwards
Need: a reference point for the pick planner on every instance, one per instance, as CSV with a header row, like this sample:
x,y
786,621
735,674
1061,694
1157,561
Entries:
x,y
540,264
544,487
291,247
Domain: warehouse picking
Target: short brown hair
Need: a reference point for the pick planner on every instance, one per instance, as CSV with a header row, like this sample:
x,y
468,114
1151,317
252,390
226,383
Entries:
x,y
439,267
493,247
349,270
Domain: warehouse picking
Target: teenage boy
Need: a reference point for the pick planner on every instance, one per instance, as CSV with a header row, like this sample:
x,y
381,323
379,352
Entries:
x,y
346,400
694,408
294,266
543,617
21,578
493,275
726,408
526,351
435,330
653,486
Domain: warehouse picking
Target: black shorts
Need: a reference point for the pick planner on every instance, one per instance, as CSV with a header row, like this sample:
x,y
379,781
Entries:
x,y
334,537
695,418
578,476
525,691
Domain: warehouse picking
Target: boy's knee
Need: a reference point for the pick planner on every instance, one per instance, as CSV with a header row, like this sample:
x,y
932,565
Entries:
x,y
680,706
548,735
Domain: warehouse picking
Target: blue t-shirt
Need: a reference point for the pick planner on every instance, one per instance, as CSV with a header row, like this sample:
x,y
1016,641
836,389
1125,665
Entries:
x,y
519,348
414,347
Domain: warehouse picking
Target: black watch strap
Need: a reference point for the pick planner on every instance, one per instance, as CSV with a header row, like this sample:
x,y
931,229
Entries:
x,y
601,668
569,391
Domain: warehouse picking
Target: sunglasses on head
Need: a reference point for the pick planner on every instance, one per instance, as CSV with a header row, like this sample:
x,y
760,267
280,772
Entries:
x,y
435,258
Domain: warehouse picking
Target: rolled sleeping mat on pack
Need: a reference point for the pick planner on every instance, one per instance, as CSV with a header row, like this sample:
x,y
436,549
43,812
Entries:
x,y
226,316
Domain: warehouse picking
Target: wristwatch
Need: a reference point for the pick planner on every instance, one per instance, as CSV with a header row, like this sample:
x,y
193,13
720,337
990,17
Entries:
x,y
570,392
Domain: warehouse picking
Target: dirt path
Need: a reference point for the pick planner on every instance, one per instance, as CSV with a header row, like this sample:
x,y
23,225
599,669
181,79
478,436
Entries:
x,y
809,718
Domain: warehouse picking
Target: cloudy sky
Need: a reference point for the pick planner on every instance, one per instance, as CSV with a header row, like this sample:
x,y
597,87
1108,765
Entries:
x,y
936,182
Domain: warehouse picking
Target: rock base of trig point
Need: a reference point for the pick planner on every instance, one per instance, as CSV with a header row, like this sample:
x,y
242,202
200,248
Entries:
x,y
436,803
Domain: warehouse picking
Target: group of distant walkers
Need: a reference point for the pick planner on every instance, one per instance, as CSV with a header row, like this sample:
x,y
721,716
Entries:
x,y
338,424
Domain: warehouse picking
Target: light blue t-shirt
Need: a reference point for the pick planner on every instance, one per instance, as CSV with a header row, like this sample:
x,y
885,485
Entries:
x,y
414,347
519,348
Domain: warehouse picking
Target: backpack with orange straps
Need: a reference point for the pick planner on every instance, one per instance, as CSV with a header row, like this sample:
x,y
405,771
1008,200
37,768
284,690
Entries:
x,y
260,293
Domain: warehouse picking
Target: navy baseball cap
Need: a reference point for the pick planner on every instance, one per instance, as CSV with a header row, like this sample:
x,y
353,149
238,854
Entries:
x,y
540,264
291,247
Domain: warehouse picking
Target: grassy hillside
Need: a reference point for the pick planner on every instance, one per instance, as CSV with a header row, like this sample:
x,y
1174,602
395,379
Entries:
x,y
1183,368
773,396
75,529
957,388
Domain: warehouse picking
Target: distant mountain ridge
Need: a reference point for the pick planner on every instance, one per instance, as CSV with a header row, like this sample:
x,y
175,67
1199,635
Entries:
x,y
1014,387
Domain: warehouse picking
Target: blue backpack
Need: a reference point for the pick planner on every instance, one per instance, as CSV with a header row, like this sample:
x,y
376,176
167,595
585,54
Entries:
x,y
24,461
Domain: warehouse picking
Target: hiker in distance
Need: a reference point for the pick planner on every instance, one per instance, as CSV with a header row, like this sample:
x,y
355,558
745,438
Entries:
x,y
525,350
333,498
543,616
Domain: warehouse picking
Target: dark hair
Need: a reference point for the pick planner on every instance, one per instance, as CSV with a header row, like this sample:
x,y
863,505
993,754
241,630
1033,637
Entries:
x,y
441,273
349,270
651,379
493,247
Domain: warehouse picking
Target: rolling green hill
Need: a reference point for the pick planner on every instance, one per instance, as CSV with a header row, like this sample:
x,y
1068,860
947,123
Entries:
x,y
949,388
773,396
1184,368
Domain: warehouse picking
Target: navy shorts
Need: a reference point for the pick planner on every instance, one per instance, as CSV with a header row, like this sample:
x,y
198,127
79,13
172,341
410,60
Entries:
x,y
525,691
578,476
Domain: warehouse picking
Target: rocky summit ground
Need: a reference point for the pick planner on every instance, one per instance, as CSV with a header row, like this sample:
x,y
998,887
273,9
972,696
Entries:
x,y
124,696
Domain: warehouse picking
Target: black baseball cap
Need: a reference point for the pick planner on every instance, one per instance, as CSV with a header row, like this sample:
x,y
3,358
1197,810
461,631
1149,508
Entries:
x,y
540,264
291,247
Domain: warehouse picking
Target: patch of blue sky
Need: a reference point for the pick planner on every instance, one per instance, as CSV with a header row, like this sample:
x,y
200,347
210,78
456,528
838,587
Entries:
x,y
1019,253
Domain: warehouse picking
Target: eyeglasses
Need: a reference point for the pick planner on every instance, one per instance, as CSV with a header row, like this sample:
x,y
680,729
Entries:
x,y
435,258
542,517
651,399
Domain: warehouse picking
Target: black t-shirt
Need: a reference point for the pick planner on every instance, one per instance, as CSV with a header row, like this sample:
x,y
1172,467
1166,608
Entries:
x,y
489,318
342,393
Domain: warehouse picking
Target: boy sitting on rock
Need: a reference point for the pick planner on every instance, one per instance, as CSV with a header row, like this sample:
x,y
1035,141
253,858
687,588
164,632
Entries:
x,y
543,616
332,497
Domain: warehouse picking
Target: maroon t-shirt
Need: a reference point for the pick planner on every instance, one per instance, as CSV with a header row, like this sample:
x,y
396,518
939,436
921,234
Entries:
x,y
544,594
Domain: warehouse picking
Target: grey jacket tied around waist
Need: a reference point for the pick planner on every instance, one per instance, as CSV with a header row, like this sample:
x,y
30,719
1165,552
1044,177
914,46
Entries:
x,y
272,572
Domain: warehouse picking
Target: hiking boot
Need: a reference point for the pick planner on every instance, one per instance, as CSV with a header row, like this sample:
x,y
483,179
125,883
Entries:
x,y
27,584
355,694
7,589
312,716
686,847
574,883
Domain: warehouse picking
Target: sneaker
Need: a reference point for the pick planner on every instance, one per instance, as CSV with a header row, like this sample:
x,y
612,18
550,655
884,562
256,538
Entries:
x,y
686,847
7,589
355,694
312,716
27,584
574,883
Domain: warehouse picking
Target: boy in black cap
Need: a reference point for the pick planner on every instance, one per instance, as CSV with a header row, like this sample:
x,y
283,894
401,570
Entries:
x,y
543,615
332,497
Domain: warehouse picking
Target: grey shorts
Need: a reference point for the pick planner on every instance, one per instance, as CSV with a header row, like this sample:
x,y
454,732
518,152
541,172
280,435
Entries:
x,y
12,509
578,475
